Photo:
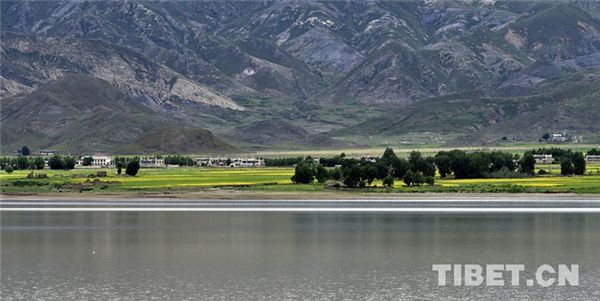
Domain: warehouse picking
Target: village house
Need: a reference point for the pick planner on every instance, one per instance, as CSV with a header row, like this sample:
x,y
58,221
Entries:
x,y
559,136
250,162
48,152
235,162
543,159
152,163
372,159
592,159
204,161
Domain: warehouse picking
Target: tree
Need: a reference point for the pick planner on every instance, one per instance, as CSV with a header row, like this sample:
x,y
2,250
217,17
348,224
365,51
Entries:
x,y
429,180
25,151
460,163
383,169
322,174
594,152
566,167
416,161
579,164
22,163
400,167
388,181
335,174
87,161
527,163
228,161
9,169
408,177
70,162
132,167
39,163
353,176
546,136
429,168
56,162
304,173
371,173
388,156
477,166
417,178
444,164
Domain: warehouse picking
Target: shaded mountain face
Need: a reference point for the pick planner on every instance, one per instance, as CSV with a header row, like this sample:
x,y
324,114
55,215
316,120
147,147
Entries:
x,y
80,114
177,140
269,131
303,59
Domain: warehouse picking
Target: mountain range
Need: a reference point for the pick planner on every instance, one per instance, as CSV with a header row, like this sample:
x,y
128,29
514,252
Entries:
x,y
104,74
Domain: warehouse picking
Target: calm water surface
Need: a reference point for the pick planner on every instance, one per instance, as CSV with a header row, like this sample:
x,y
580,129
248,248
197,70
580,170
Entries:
x,y
285,255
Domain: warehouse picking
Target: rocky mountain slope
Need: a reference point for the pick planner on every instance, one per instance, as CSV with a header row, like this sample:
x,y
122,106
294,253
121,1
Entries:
x,y
393,52
34,61
80,114
329,64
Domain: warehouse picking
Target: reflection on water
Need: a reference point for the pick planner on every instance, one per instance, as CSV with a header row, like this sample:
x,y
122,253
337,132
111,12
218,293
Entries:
x,y
277,256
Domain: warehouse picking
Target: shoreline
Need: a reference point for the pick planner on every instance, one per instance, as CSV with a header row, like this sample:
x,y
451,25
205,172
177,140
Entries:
x,y
254,195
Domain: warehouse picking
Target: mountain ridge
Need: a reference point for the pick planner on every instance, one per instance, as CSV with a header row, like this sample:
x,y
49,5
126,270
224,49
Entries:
x,y
326,66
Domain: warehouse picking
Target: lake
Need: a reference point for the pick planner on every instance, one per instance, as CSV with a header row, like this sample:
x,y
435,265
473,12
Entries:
x,y
297,250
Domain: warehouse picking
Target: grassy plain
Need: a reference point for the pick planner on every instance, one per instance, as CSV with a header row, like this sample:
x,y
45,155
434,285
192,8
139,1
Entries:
x,y
277,180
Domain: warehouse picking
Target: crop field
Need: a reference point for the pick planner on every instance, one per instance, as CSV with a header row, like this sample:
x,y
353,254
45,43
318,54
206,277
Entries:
x,y
154,178
203,177
585,184
278,180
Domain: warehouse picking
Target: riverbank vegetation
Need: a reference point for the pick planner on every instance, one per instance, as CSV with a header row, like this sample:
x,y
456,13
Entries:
x,y
447,171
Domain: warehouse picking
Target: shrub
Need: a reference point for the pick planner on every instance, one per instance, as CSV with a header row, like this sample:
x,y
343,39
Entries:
x,y
132,168
388,181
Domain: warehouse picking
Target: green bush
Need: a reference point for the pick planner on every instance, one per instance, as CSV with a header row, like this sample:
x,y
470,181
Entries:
x,y
388,181
132,168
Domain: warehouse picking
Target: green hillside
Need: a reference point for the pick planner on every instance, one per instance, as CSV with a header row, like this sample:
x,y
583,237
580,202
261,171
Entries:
x,y
177,140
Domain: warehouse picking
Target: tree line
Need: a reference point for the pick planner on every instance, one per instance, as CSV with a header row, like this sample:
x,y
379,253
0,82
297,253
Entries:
x,y
418,170
25,162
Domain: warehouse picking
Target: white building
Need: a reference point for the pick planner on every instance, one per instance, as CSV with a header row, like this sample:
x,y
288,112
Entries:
x,y
235,162
204,161
543,158
152,163
592,159
101,160
251,162
559,136
48,152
